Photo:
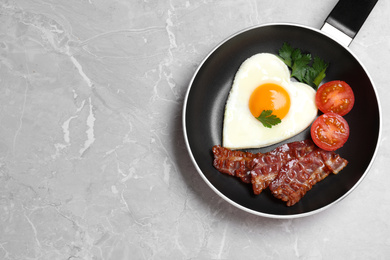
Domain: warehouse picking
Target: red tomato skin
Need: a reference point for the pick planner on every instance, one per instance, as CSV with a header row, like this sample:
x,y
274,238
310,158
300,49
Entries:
x,y
320,126
338,91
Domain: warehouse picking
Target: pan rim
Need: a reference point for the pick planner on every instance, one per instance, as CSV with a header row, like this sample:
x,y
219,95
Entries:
x,y
219,193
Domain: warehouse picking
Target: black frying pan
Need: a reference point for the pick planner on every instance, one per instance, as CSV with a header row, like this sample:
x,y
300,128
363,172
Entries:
x,y
208,91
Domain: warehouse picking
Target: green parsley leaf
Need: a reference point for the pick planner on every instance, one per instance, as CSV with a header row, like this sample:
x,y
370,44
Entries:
x,y
285,54
296,55
319,78
300,66
303,68
320,66
310,75
268,119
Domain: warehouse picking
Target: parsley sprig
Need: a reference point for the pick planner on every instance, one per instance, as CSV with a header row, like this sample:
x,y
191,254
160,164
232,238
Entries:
x,y
303,68
268,119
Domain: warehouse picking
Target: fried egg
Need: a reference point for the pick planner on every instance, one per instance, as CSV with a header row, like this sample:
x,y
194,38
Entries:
x,y
263,83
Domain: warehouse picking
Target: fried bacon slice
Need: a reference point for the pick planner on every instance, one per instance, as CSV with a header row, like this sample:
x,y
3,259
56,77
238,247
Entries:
x,y
266,168
258,169
298,176
234,163
289,171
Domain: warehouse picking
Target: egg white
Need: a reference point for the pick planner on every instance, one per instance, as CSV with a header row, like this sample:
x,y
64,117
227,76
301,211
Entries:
x,y
241,129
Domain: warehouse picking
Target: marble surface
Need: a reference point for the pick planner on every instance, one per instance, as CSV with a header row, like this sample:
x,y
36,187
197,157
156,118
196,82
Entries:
x,y
93,163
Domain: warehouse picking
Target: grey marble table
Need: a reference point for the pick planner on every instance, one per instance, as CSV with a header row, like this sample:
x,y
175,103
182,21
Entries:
x,y
93,163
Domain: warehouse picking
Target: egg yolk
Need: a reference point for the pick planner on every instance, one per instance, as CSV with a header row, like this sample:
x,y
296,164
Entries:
x,y
269,96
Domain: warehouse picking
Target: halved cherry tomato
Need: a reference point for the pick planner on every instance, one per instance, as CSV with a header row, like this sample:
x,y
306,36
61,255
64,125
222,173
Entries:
x,y
330,131
335,96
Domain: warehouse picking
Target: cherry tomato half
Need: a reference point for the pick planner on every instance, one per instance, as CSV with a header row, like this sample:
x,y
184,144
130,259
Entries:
x,y
330,131
335,96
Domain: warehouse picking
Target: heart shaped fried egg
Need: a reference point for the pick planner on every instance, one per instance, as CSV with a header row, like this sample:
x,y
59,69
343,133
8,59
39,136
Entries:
x,y
263,83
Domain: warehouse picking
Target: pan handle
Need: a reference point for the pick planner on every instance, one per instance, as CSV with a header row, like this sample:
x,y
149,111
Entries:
x,y
346,18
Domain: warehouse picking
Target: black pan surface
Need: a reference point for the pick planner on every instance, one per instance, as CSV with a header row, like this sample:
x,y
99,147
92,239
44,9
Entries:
x,y
205,103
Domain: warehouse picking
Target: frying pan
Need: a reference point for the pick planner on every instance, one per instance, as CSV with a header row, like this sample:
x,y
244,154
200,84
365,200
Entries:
x,y
209,88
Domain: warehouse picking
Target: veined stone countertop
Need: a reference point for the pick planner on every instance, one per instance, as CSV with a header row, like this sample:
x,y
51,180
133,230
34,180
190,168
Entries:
x,y
93,163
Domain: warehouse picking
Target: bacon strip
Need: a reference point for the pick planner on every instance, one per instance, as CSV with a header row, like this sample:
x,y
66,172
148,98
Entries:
x,y
267,167
289,171
234,163
299,175
258,169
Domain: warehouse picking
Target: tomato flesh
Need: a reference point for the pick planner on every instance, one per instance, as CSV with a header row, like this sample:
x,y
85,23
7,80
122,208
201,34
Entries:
x,y
330,131
335,96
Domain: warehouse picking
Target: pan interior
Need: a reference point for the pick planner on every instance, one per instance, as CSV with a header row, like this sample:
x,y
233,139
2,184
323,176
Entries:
x,y
205,104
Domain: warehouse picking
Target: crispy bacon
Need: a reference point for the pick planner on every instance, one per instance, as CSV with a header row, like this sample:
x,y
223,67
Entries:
x,y
298,176
290,170
266,167
234,163
258,169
